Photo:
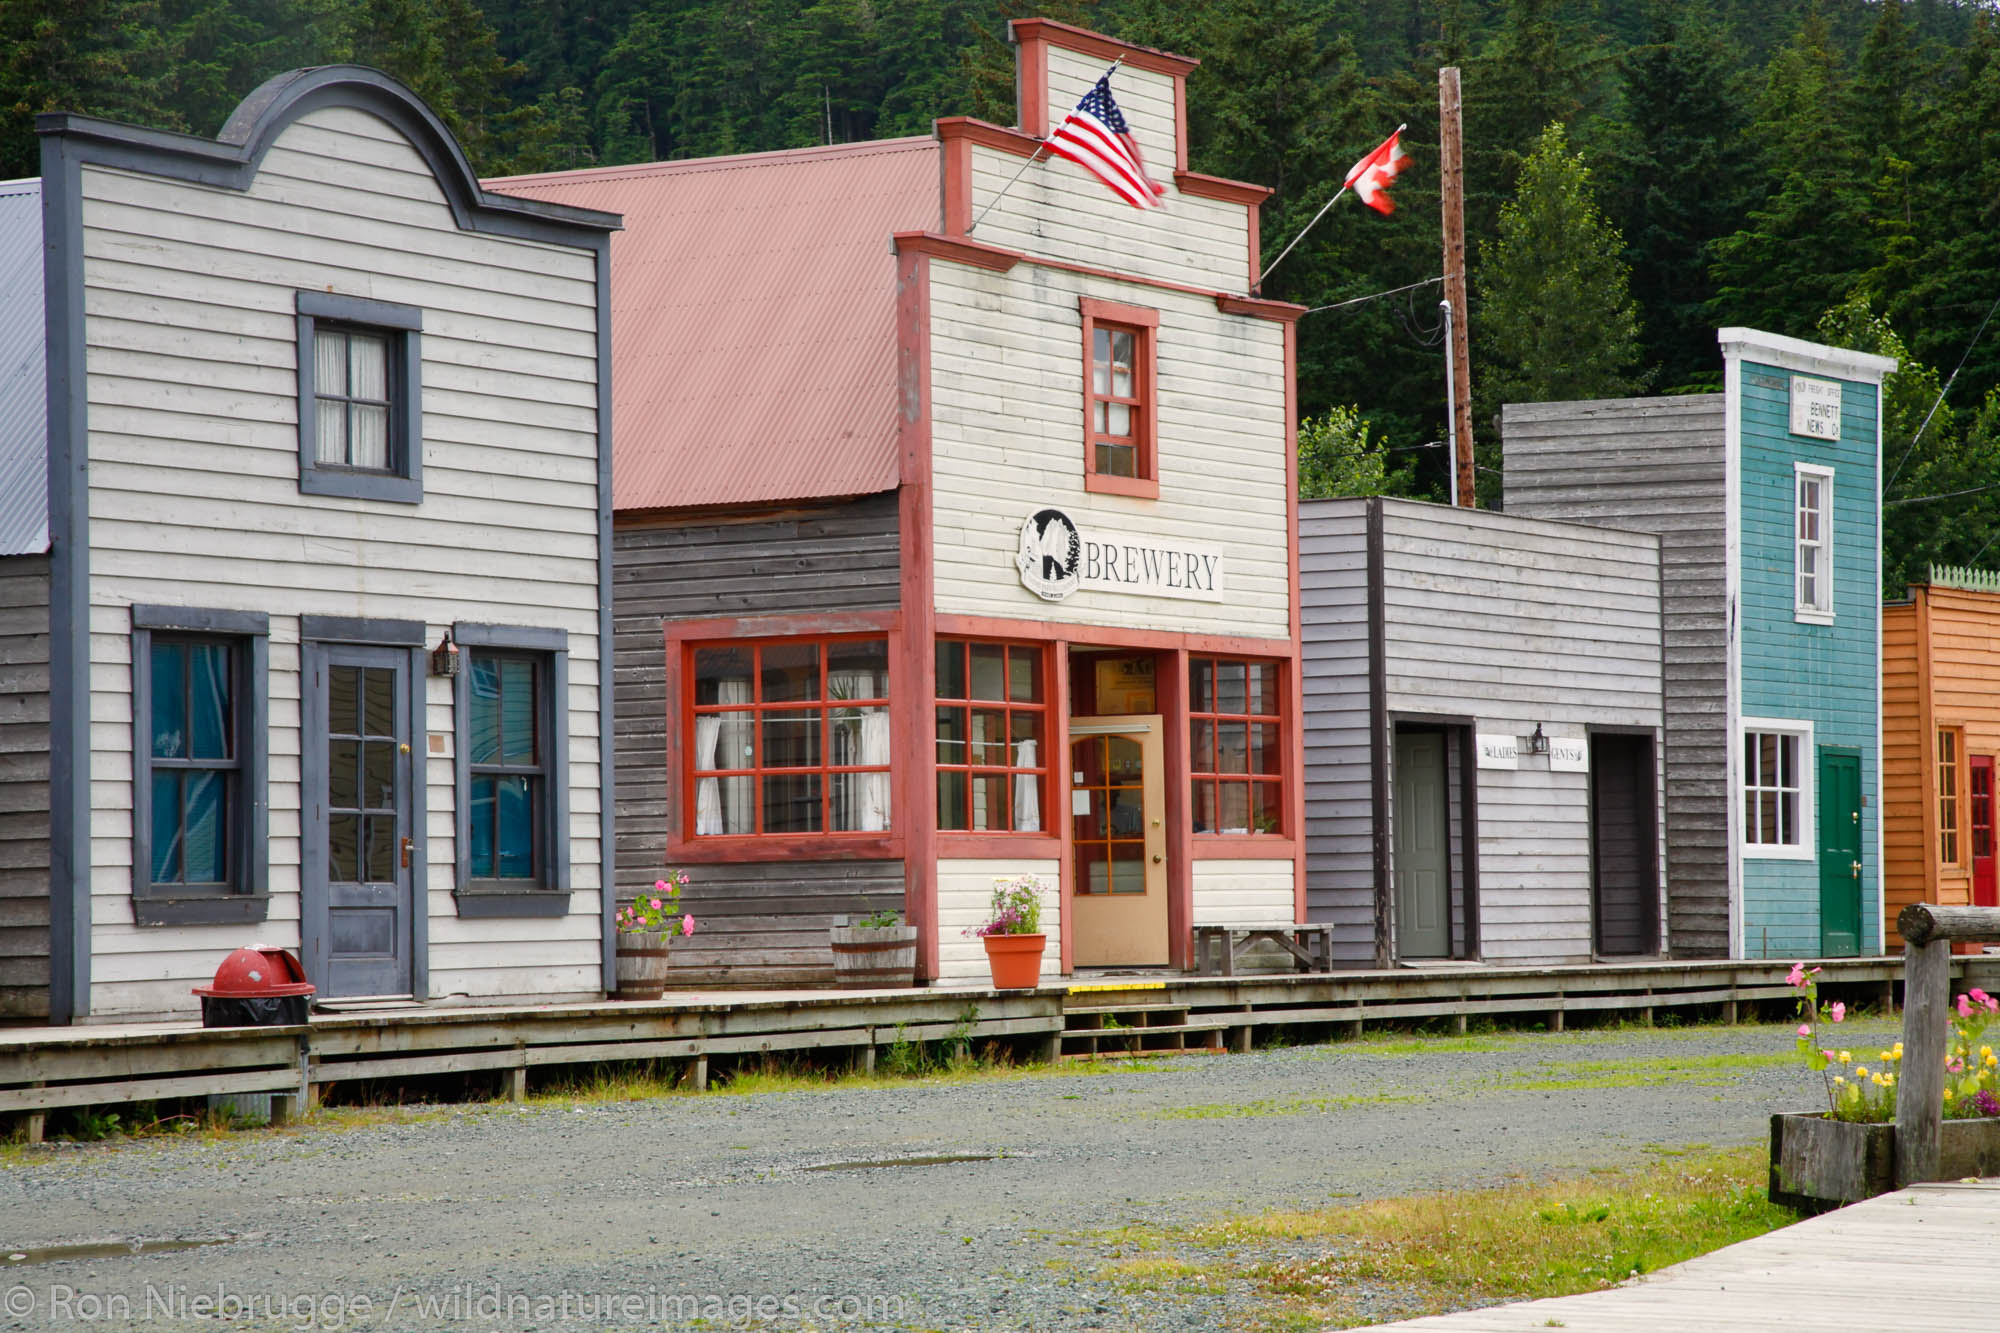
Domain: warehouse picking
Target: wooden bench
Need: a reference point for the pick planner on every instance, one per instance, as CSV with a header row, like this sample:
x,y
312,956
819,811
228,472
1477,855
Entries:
x,y
1217,945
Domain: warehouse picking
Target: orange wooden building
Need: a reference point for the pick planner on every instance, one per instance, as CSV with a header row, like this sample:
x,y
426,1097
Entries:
x,y
1940,736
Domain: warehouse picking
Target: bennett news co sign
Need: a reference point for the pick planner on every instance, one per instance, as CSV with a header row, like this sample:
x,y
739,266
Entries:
x,y
1056,558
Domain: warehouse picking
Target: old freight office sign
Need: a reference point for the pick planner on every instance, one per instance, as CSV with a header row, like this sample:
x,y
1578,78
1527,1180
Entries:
x,y
1056,558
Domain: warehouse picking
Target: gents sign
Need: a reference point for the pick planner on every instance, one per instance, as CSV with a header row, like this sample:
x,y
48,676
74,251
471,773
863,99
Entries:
x,y
1056,558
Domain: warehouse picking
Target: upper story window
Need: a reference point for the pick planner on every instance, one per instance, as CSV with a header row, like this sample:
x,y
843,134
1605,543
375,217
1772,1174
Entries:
x,y
1949,742
791,736
1777,789
1236,738
1120,399
992,730
199,719
360,378
1813,536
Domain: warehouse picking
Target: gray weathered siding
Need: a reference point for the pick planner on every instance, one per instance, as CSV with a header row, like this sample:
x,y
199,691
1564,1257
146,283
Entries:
x,y
1510,622
24,787
757,922
1657,465
1333,601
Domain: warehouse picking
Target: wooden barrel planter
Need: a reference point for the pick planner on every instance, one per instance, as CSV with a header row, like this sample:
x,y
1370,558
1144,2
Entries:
x,y
874,957
642,967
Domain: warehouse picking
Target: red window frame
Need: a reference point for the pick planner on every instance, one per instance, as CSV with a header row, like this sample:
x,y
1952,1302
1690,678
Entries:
x,y
757,708
1008,708
1143,325
1210,765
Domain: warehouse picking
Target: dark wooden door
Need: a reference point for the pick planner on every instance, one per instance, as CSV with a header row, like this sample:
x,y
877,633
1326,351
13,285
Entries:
x,y
1624,843
357,783
1839,853
1422,822
1984,892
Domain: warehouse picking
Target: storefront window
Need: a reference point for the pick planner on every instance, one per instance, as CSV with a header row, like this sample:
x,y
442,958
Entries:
x,y
1235,745
790,737
992,737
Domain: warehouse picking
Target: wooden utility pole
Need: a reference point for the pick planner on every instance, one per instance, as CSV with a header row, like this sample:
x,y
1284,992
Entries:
x,y
1451,179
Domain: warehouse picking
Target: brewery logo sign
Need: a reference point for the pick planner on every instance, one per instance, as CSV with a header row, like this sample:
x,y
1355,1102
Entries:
x,y
1056,557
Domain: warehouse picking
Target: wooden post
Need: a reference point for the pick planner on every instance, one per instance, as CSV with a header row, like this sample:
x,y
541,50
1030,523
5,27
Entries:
x,y
698,1076
38,1121
1555,1020
1920,1074
1458,1023
1451,182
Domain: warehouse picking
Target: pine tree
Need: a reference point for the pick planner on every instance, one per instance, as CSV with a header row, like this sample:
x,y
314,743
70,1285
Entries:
x,y
101,57
1554,307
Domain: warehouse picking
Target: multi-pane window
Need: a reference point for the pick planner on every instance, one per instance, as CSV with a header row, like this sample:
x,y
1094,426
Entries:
x,y
790,736
1948,745
1120,399
1771,789
1236,745
507,764
194,761
992,737
1813,534
352,404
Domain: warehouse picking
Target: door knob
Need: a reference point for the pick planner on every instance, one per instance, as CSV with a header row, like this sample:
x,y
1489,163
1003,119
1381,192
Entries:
x,y
1857,870
1157,858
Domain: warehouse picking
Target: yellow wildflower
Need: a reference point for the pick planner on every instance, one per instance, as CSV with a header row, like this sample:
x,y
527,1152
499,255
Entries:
x,y
1861,1071
1844,1057
1947,1094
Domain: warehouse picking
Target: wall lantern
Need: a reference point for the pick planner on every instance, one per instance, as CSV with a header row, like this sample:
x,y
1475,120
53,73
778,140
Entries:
x,y
444,657
1538,743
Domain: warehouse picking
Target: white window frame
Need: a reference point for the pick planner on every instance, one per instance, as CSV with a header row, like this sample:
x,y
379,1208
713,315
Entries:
x,y
1819,611
1807,847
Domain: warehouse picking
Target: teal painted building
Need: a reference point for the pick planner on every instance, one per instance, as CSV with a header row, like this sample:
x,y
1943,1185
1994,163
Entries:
x,y
1803,463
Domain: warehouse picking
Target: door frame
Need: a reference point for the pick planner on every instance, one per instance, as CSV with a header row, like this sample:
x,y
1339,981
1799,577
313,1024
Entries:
x,y
317,634
1973,764
1135,724
1655,943
1467,885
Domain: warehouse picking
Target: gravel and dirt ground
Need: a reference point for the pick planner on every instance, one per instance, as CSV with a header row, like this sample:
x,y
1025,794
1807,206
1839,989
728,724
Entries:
x,y
818,1209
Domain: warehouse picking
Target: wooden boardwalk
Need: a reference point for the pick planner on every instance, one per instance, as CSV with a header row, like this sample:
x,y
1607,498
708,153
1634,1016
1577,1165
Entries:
x,y
1920,1259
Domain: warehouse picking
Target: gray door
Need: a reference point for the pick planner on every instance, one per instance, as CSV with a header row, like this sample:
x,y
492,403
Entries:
x,y
1423,847
1624,874
356,779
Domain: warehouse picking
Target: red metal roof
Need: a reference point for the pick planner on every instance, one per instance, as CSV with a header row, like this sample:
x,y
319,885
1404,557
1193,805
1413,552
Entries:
x,y
753,318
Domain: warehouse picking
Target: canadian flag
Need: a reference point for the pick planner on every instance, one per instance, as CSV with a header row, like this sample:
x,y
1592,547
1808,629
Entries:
x,y
1372,175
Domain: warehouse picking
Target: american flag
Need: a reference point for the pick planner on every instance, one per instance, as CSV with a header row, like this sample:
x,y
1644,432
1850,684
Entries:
x,y
1096,138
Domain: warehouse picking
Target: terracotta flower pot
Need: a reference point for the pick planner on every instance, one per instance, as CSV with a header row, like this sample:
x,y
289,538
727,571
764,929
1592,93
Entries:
x,y
1016,960
642,966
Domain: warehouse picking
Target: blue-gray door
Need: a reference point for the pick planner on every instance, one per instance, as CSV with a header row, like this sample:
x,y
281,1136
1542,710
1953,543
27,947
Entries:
x,y
356,777
1422,847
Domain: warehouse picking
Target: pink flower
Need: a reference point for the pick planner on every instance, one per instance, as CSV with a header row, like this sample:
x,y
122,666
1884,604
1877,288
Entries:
x,y
687,924
1964,1007
1978,995
659,886
1797,976
1805,1029
1827,1054
1837,1012
656,904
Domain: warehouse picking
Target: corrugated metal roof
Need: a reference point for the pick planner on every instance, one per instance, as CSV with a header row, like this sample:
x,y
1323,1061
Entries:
x,y
24,403
753,318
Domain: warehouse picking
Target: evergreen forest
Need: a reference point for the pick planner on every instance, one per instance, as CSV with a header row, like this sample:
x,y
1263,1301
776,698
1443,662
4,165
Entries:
x,y
1638,172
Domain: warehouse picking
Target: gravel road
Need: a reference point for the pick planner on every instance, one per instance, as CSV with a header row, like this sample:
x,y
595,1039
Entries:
x,y
806,1210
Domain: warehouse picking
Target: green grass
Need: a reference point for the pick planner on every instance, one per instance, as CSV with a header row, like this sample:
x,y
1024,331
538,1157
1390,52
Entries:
x,y
1439,1252
1643,1071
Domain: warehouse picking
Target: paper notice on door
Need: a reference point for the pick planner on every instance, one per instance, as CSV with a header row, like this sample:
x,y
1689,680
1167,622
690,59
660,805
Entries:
x,y
1079,801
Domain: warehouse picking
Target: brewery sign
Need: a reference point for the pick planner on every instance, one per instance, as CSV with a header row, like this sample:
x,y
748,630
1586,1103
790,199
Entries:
x,y
1056,557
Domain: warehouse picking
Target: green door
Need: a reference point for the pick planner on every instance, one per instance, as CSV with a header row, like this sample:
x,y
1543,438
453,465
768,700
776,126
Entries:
x,y
1839,852
1422,869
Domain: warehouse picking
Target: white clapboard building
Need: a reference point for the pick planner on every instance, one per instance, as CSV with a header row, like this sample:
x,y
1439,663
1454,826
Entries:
x,y
283,412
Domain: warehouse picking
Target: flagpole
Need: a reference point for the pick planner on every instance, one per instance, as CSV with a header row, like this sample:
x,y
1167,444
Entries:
x,y
1258,285
1033,157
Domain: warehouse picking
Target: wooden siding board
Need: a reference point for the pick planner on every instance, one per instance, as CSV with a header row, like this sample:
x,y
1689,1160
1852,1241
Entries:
x,y
837,557
189,302
1657,465
24,787
1333,598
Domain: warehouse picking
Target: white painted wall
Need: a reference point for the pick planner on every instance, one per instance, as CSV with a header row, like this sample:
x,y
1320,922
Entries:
x,y
1243,891
965,893
194,501
1007,429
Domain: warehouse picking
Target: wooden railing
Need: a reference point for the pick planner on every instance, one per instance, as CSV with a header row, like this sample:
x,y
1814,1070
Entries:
x,y
1928,933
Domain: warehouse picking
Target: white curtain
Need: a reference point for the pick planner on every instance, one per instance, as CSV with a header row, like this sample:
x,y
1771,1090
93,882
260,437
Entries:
x,y
722,805
860,738
1027,791
707,791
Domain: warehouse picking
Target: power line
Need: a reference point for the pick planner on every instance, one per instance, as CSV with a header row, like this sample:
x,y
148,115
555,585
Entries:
x,y
1407,287
1912,447
1942,495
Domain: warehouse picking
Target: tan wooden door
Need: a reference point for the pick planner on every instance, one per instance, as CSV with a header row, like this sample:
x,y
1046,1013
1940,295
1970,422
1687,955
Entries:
x,y
1118,880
